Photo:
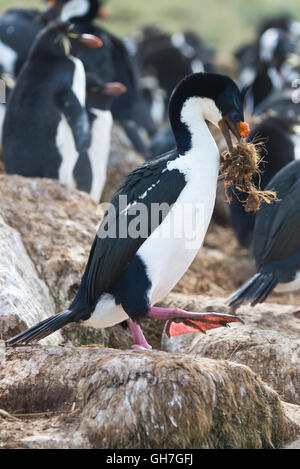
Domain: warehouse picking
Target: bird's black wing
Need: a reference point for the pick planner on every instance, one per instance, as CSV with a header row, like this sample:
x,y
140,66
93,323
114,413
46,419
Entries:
x,y
125,72
276,235
150,184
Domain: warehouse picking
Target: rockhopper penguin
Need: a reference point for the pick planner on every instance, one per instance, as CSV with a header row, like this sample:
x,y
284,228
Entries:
x,y
113,64
46,112
156,222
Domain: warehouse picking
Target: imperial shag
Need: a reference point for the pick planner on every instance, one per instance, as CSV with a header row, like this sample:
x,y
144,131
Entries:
x,y
139,253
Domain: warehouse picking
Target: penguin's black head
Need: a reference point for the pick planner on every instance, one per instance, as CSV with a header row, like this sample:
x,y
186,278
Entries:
x,y
75,10
100,95
61,39
282,21
215,98
52,11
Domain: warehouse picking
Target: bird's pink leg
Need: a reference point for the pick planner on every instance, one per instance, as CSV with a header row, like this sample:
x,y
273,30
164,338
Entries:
x,y
140,343
190,322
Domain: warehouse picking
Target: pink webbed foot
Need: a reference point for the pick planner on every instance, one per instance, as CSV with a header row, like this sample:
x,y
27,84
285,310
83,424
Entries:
x,y
181,322
140,342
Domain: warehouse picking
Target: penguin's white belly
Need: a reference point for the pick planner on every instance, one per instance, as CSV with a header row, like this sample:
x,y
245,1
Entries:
x,y
158,110
66,147
64,138
296,141
2,116
173,246
8,58
99,149
79,80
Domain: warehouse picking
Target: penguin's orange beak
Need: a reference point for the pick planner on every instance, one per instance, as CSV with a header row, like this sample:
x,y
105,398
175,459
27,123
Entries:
x,y
239,129
114,89
89,40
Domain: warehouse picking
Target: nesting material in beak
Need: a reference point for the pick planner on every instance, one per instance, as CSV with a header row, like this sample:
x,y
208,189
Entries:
x,y
238,167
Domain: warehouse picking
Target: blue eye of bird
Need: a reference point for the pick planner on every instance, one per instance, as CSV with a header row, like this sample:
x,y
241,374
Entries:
x,y
235,117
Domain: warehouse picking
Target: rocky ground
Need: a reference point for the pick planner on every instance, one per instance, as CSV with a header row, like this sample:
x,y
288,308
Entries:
x,y
237,387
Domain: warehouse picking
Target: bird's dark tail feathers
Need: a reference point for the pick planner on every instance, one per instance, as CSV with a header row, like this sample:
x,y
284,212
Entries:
x,y
254,291
42,329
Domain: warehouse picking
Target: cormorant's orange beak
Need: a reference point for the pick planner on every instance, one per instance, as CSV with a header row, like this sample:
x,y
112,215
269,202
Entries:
x,y
238,129
244,129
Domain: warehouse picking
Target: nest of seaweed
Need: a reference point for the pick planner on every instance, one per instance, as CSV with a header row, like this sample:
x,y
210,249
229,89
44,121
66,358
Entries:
x,y
238,168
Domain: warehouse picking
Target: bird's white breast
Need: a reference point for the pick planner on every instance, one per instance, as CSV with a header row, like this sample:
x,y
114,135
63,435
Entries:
x,y
268,43
99,150
66,146
2,116
172,247
8,58
79,80
247,76
296,141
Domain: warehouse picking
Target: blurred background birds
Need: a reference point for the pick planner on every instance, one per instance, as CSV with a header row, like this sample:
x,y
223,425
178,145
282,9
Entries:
x,y
147,48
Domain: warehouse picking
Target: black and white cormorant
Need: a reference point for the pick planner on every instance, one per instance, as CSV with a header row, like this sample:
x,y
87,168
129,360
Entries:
x,y
157,221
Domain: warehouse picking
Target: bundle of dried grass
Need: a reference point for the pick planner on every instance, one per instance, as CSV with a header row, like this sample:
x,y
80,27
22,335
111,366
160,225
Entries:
x,y
238,168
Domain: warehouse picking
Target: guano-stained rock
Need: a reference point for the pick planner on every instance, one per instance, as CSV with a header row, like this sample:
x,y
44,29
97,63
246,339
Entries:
x,y
24,298
137,400
268,342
